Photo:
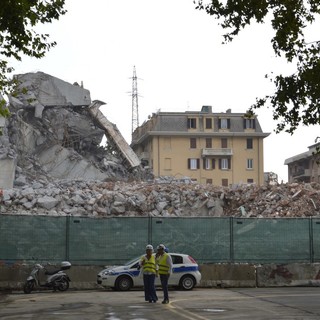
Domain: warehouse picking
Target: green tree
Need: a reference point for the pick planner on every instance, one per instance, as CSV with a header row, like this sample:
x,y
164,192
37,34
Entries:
x,y
296,97
18,35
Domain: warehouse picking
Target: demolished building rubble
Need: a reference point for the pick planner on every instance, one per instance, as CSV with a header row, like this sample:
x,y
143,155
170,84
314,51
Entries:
x,y
162,199
52,144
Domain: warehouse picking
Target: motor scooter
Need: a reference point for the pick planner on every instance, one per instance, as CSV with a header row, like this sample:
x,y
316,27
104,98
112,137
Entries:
x,y
56,279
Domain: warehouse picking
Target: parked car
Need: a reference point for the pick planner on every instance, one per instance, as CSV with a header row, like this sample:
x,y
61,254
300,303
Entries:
x,y
185,274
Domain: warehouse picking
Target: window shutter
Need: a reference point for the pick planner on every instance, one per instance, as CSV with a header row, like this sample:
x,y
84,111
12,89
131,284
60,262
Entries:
x,y
244,124
198,163
228,123
254,123
219,163
204,163
229,163
189,163
213,163
219,123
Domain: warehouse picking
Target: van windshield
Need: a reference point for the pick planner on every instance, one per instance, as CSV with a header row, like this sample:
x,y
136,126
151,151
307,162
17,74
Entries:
x,y
132,261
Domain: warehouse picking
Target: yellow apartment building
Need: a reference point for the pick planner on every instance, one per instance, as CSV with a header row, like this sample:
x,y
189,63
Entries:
x,y
210,148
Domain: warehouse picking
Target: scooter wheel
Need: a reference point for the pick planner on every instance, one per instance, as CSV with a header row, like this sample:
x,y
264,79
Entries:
x,y
28,286
63,285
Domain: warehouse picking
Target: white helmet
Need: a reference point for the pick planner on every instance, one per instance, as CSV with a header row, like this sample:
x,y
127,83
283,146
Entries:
x,y
149,247
161,246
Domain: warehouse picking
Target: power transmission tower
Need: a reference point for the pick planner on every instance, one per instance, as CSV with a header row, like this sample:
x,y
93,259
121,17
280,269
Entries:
x,y
135,106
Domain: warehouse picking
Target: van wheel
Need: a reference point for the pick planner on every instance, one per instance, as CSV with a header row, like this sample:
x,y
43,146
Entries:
x,y
187,282
123,283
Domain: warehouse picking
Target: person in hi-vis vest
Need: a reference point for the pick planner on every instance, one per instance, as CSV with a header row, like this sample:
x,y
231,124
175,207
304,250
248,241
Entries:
x,y
148,265
164,264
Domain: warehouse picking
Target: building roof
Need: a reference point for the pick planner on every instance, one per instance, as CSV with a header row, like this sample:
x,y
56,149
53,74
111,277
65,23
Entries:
x,y
303,155
175,124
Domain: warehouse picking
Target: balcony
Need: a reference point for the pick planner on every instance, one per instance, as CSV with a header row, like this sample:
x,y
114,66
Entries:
x,y
216,152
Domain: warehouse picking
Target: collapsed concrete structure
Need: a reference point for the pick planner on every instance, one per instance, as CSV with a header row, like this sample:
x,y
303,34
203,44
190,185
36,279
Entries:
x,y
55,132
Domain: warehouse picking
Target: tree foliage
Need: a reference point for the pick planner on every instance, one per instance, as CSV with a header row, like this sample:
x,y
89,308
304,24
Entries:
x,y
296,98
18,35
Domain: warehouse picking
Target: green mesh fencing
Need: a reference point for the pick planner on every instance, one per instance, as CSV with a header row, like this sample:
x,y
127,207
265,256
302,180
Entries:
x,y
271,240
32,238
106,241
205,239
315,240
102,241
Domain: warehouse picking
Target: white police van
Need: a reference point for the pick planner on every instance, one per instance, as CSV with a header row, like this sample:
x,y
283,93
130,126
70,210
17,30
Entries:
x,y
185,274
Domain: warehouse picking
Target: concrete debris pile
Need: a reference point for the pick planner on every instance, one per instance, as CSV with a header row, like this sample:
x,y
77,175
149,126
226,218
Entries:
x,y
51,134
113,199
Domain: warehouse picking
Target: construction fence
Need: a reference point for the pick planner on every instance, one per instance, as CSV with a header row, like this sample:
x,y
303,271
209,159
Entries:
x,y
106,241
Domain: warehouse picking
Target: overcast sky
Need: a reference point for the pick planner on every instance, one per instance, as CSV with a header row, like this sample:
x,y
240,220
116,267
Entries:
x,y
179,58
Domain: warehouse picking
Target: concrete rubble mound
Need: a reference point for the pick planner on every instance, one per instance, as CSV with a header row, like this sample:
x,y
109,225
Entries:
x,y
161,198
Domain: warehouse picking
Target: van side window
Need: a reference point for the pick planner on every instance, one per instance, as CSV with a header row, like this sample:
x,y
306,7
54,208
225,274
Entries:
x,y
176,259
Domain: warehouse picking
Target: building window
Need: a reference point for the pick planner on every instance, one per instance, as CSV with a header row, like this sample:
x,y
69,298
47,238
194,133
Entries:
x,y
224,123
249,163
193,164
192,123
167,164
249,180
193,143
249,123
224,164
249,143
209,181
208,143
224,143
225,182
209,164
208,123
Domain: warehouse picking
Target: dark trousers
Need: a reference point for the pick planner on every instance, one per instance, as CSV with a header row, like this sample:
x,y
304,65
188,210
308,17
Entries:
x,y
149,287
164,284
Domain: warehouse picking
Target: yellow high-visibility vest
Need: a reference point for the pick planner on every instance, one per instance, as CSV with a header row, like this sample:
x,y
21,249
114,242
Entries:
x,y
149,265
162,263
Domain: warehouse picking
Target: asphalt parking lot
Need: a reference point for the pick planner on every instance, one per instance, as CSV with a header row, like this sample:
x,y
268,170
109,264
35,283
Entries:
x,y
198,304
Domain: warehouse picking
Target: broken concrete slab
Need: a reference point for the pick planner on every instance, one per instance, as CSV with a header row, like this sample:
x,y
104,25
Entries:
x,y
61,162
41,88
47,202
7,172
114,135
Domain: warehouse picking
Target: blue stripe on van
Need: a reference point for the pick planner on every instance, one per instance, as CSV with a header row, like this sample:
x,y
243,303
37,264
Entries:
x,y
130,273
185,269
